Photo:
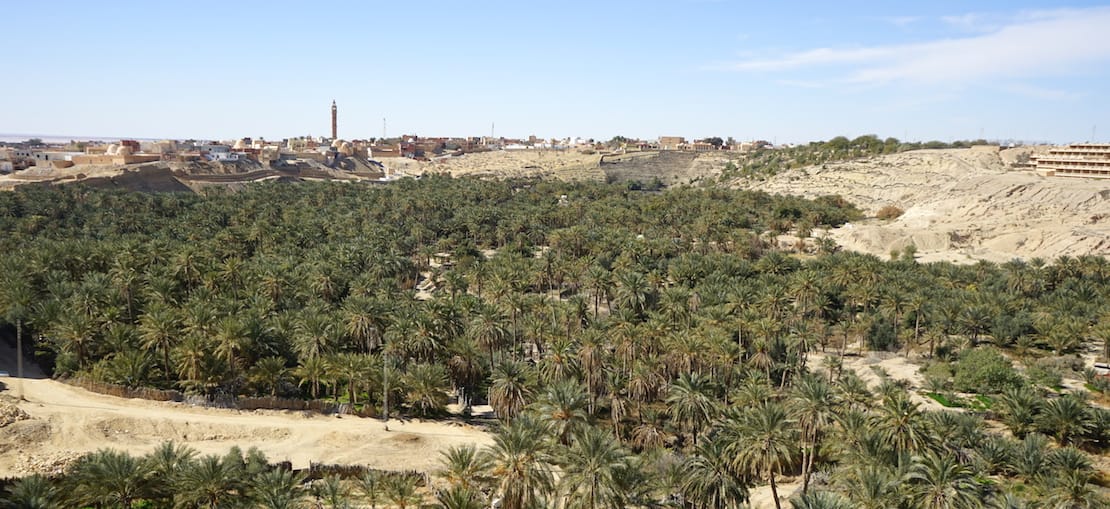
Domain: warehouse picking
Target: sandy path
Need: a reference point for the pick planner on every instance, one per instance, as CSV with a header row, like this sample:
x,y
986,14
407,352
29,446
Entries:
x,y
760,497
67,421
897,367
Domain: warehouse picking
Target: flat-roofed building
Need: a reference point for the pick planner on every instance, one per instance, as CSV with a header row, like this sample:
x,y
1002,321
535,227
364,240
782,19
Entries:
x,y
671,142
1077,160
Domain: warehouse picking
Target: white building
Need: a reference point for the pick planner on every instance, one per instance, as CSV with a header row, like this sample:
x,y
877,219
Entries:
x,y
218,152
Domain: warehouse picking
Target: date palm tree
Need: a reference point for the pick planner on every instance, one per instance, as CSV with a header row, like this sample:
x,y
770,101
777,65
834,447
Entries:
x,y
761,441
209,482
510,389
821,500
563,405
278,489
872,486
520,461
312,371
465,467
16,299
710,479
465,368
166,463
76,332
940,481
331,492
351,368
458,497
108,478
1019,408
232,340
159,328
813,408
33,492
488,329
633,292
593,468
901,424
1067,419
316,333
690,402
270,374
426,388
400,490
371,485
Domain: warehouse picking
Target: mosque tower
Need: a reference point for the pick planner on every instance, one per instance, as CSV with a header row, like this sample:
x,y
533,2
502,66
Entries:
x,y
334,124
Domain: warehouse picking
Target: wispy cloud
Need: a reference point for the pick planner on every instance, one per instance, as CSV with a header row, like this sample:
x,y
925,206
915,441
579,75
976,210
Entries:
x,y
1035,92
1046,44
801,83
971,22
902,21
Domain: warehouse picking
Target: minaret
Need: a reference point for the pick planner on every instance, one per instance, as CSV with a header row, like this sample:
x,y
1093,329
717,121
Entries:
x,y
334,124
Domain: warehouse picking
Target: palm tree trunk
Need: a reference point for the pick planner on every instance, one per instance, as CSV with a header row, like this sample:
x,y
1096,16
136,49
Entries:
x,y
166,362
19,348
806,452
775,491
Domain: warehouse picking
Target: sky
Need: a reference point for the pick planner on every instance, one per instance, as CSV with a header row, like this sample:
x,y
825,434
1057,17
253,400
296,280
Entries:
x,y
787,71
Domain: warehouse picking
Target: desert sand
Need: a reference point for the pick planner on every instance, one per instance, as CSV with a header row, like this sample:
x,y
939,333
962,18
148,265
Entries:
x,y
65,422
961,205
557,164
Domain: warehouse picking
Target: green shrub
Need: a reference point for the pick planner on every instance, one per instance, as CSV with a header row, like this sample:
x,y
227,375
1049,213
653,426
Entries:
x,y
938,376
985,370
1044,373
947,401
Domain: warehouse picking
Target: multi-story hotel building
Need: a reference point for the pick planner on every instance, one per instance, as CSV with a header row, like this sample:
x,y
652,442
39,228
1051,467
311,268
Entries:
x,y
1079,160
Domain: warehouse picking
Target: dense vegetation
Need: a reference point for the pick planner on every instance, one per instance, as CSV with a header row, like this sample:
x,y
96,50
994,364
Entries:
x,y
640,349
765,162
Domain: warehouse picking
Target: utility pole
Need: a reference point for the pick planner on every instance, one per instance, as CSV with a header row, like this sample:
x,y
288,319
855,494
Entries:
x,y
383,128
19,354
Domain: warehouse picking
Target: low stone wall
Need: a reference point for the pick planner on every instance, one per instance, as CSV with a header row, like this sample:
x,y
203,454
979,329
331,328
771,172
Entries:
x,y
121,391
263,403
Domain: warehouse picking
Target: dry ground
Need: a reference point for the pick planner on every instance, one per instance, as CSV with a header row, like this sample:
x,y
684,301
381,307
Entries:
x,y
960,205
66,421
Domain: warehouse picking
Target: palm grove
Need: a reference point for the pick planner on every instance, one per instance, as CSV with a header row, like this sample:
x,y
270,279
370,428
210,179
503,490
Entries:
x,y
639,349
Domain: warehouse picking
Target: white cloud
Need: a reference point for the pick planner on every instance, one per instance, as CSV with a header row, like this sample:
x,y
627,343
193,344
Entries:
x,y
902,21
1045,44
970,22
801,83
1036,92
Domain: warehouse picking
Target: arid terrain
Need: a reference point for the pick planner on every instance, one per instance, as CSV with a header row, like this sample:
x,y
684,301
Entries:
x,y
57,423
961,205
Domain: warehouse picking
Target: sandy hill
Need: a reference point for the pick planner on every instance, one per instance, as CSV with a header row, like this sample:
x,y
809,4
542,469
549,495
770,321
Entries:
x,y
960,205
186,176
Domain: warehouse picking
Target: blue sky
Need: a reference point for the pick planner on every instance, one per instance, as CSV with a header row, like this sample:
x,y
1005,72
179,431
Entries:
x,y
781,71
